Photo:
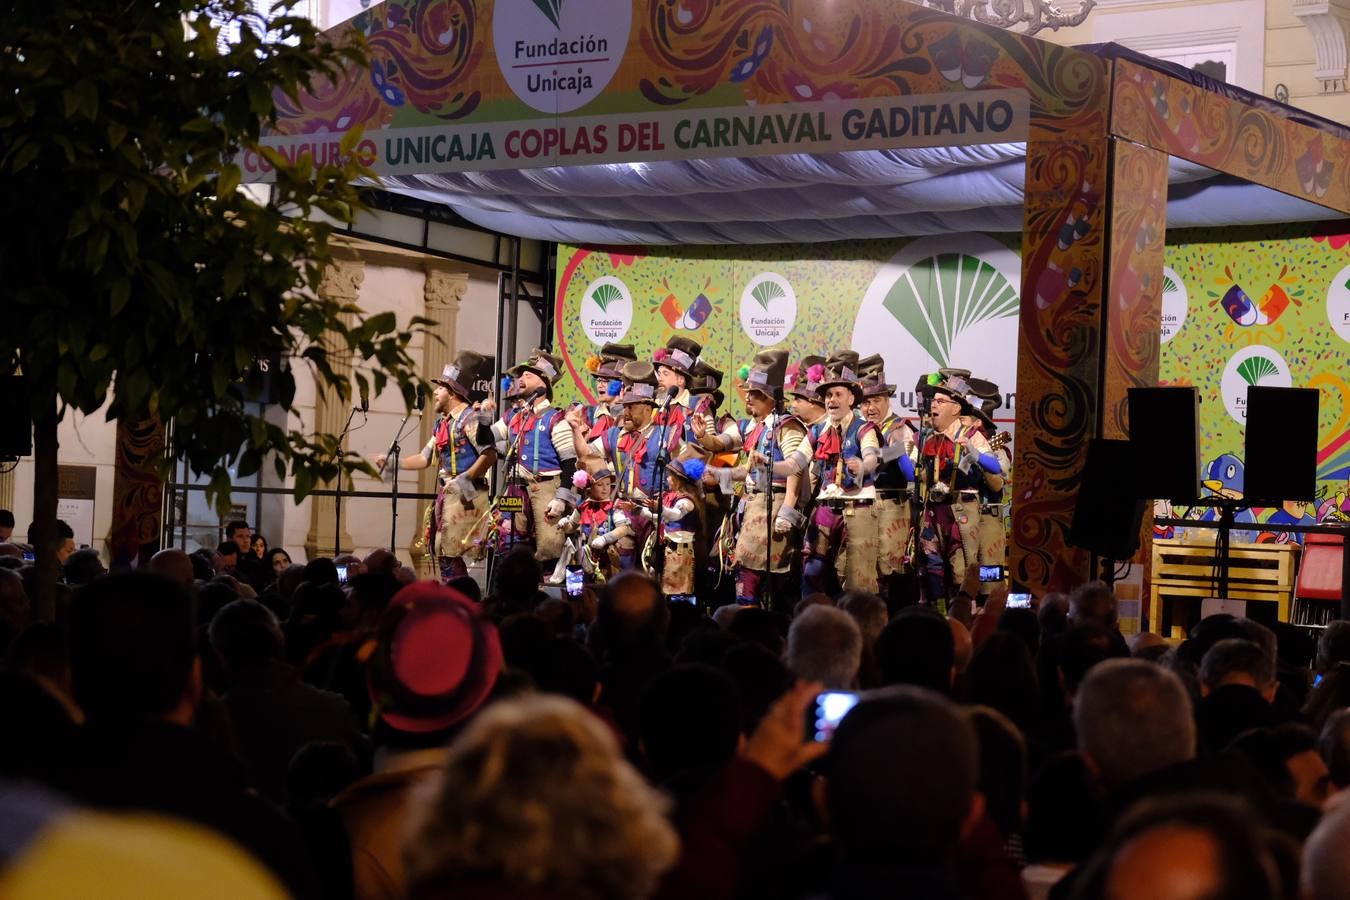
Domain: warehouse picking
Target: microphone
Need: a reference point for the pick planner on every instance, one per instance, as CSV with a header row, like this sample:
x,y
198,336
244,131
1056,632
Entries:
x,y
534,394
365,402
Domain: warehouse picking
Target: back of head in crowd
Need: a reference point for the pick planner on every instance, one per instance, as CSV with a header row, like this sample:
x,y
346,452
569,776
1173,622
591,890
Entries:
x,y
246,635
631,612
1236,661
895,799
1133,718
1093,602
917,648
133,648
1192,846
537,800
825,645
690,726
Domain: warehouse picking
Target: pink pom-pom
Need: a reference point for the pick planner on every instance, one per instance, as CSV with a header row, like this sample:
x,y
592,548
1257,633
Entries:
x,y
580,479
816,373
661,354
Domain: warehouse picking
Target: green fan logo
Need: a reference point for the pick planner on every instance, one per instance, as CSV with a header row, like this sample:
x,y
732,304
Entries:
x,y
605,294
938,298
1256,369
766,292
552,10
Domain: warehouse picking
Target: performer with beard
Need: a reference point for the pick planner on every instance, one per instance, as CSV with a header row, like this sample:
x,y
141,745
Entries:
x,y
631,449
546,456
991,533
773,461
952,464
461,445
894,477
841,538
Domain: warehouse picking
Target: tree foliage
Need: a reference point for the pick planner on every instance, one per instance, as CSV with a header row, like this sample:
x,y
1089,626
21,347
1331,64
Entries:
x,y
135,266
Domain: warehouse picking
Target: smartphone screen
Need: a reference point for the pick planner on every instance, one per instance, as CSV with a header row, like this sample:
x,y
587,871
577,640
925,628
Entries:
x,y
576,582
823,716
29,556
991,573
1019,601
342,574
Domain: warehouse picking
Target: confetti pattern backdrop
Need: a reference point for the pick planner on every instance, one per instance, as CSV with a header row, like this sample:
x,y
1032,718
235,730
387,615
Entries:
x,y
1237,304
1260,309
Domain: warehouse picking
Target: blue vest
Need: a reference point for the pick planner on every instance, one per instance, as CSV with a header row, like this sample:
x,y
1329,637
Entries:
x,y
889,477
760,441
623,462
537,453
459,452
850,447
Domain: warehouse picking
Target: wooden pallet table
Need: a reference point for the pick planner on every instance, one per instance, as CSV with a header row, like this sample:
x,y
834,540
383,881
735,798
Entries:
x,y
1185,574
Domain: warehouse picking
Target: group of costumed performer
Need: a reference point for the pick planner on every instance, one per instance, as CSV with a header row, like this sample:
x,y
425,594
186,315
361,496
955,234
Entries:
x,y
838,492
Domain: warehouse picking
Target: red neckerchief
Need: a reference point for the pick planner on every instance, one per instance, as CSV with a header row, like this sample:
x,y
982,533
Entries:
x,y
830,443
442,434
524,420
634,454
595,512
940,447
676,418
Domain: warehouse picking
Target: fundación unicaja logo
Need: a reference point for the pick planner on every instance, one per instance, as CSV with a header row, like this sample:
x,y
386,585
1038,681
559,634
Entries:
x,y
768,309
558,55
1253,366
1174,304
606,308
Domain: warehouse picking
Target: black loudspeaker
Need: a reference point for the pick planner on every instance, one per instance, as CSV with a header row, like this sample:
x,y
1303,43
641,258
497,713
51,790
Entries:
x,y
16,423
1165,435
1281,455
1110,514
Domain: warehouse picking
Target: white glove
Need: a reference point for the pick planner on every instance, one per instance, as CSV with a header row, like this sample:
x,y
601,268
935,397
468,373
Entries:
x,y
556,509
599,543
781,526
464,484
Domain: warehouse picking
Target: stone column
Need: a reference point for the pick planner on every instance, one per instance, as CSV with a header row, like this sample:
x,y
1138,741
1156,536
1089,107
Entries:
x,y
7,489
342,283
442,293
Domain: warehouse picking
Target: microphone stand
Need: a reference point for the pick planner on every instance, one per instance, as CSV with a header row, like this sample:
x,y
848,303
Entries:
x,y
662,455
924,477
337,492
770,438
391,462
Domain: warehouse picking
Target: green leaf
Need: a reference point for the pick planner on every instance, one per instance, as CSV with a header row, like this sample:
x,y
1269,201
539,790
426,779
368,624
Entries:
x,y
117,133
118,294
26,155
304,483
228,182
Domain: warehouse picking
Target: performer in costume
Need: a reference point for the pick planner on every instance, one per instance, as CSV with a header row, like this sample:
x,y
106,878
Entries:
x,y
991,534
950,470
841,537
894,478
608,386
681,529
714,437
461,444
542,438
674,371
803,387
593,528
631,449
768,525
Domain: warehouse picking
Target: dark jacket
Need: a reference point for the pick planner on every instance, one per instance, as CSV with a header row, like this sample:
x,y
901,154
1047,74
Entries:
x,y
161,767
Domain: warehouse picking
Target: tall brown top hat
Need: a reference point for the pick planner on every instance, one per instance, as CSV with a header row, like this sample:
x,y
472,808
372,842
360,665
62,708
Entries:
x,y
810,372
985,397
872,371
612,358
768,372
436,659
708,380
679,354
841,370
639,382
460,375
953,385
542,363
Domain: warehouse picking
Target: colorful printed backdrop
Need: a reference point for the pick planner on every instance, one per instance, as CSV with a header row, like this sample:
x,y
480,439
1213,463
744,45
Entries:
x,y
1239,307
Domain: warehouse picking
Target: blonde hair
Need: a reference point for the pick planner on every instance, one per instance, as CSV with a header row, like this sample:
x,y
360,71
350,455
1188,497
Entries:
x,y
537,795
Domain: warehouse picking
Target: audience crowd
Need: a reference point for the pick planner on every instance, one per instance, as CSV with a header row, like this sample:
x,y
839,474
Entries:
x,y
226,723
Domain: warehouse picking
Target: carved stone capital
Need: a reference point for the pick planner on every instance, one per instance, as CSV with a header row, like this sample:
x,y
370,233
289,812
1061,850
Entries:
x,y
342,280
445,289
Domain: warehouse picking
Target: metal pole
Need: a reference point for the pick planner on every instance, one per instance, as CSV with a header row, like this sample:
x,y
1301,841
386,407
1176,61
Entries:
x,y
513,309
